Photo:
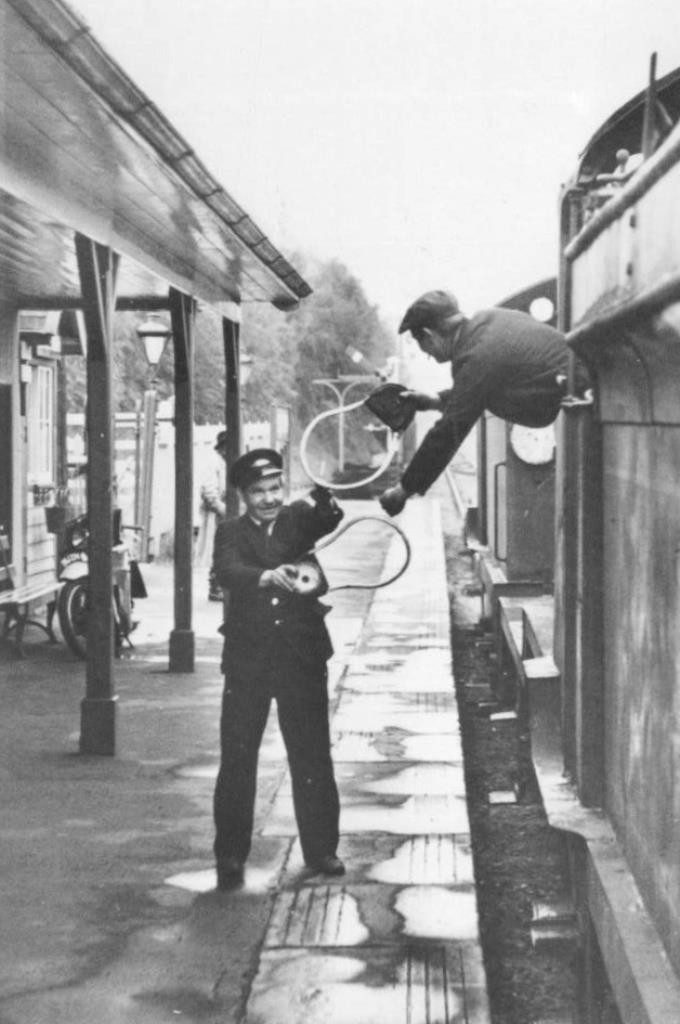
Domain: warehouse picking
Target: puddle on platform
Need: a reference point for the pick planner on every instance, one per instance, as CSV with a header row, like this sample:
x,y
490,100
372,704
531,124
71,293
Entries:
x,y
201,771
292,988
316,916
373,663
395,682
358,1004
194,881
420,780
158,659
419,815
256,880
428,860
398,747
432,912
427,669
356,717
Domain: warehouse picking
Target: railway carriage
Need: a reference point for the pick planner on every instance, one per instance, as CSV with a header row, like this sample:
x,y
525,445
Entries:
x,y
596,650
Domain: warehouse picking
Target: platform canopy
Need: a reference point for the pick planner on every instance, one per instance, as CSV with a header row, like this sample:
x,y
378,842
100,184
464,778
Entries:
x,y
104,206
83,149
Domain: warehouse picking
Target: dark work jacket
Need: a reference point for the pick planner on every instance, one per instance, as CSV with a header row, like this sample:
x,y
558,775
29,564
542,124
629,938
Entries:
x,y
266,624
504,361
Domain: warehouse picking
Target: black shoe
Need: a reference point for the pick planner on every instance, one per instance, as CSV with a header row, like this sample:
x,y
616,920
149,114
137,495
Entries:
x,y
330,865
229,872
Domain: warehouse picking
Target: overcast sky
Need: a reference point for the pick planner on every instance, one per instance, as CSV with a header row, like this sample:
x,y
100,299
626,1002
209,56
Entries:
x,y
422,142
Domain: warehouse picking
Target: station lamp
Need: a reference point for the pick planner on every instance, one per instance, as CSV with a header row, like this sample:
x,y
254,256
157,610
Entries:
x,y
154,334
245,365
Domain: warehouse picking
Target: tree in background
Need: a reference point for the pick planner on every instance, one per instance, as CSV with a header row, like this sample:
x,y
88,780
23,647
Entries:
x,y
288,351
268,337
132,375
335,316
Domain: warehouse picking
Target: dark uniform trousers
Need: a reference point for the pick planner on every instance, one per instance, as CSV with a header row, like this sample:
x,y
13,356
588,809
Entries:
x,y
301,695
276,648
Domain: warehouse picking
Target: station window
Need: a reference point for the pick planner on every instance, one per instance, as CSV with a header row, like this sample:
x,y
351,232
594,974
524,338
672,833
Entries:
x,y
41,426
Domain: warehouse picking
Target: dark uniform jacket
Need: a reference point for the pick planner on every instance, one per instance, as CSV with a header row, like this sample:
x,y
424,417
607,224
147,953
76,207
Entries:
x,y
265,623
504,361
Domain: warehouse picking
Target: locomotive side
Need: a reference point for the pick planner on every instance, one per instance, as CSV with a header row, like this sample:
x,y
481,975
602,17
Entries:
x,y
597,653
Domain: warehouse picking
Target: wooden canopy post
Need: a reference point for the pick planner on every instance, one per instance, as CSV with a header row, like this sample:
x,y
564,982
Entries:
x,y
98,266
232,410
182,312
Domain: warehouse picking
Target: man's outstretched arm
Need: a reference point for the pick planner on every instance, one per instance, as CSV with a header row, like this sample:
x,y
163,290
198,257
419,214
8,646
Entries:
x,y
463,406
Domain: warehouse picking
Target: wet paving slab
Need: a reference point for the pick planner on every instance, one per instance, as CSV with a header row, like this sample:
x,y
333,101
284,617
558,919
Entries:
x,y
398,815
341,915
397,745
353,714
418,984
388,707
429,859
412,779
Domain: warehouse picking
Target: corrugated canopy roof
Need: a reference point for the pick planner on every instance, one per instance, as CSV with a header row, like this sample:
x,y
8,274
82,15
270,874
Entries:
x,y
82,148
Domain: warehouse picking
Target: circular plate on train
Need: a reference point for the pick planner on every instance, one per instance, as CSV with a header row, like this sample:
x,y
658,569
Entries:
x,y
533,445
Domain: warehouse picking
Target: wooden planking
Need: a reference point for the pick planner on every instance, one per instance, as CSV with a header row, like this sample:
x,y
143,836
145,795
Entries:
x,y
40,562
103,198
116,181
40,546
45,576
59,133
41,549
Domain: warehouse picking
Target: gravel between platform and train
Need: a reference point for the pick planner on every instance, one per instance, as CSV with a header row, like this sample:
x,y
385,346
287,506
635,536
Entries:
x,y
518,858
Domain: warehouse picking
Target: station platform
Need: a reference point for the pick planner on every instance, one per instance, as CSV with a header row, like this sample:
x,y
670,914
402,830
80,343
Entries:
x,y
108,909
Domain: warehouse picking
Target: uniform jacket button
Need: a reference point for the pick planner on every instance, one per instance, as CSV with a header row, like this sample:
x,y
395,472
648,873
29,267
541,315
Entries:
x,y
275,600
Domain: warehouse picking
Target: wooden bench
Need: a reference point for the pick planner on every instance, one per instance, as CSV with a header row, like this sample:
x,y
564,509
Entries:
x,y
15,603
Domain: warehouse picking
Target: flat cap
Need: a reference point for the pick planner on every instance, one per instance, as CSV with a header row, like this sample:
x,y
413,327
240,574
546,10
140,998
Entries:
x,y
255,465
429,310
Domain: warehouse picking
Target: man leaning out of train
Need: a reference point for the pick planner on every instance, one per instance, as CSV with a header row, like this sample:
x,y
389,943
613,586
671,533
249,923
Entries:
x,y
502,360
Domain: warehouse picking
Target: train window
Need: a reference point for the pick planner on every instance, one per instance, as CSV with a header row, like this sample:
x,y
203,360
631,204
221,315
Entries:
x,y
542,308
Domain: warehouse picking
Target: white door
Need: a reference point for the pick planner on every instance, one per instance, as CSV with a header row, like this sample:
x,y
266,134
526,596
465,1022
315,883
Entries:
x,y
41,452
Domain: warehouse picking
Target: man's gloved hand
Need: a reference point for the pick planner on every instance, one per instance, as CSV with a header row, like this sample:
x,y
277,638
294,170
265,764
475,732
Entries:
x,y
394,499
283,577
322,496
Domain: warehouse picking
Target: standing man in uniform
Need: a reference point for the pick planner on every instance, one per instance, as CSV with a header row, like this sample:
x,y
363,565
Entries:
x,y
213,510
276,646
502,360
